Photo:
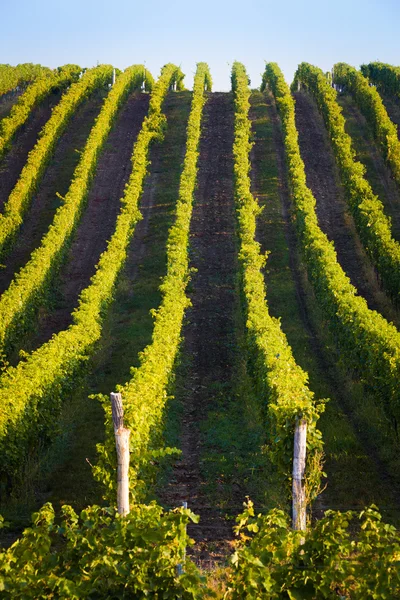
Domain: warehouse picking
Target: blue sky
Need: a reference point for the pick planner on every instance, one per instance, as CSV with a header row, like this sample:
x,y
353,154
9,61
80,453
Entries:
x,y
123,32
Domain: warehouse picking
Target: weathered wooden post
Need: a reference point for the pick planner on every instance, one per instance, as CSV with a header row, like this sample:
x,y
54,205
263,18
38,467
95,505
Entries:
x,y
122,444
113,77
181,566
299,467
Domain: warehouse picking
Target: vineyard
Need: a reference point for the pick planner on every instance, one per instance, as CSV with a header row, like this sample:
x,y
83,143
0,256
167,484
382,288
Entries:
x,y
199,333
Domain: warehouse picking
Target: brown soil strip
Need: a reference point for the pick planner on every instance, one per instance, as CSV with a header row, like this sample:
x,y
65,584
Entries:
x,y
24,140
333,216
98,221
283,190
209,330
338,387
392,106
57,178
378,173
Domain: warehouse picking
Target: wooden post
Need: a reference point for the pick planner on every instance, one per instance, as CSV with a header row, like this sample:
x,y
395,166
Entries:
x,y
113,77
299,468
181,566
122,443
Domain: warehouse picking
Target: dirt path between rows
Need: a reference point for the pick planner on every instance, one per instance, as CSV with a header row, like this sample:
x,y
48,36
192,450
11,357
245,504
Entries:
x,y
334,380
333,216
57,178
392,106
378,173
124,332
283,190
23,142
209,328
98,221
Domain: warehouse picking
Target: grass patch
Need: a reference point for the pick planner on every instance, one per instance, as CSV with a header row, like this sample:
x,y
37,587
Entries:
x,y
233,460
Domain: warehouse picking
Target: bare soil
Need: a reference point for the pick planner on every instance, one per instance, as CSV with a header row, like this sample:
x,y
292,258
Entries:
x,y
23,142
209,329
98,221
369,153
333,216
57,178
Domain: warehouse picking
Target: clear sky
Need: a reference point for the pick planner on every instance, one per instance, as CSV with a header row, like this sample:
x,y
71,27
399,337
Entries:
x,y
123,32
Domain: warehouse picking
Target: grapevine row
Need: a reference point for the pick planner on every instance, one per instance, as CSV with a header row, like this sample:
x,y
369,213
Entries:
x,y
31,393
370,104
372,224
145,395
33,95
99,554
370,344
12,77
26,292
280,382
384,76
96,554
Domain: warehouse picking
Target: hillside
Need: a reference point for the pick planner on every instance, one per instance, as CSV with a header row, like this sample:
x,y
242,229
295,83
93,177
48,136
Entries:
x,y
226,262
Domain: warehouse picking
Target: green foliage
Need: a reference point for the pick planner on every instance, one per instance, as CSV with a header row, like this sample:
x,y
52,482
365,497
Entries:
x,y
98,554
272,562
145,395
281,383
373,226
19,76
369,344
31,393
35,93
26,292
384,76
370,103
177,80
40,156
